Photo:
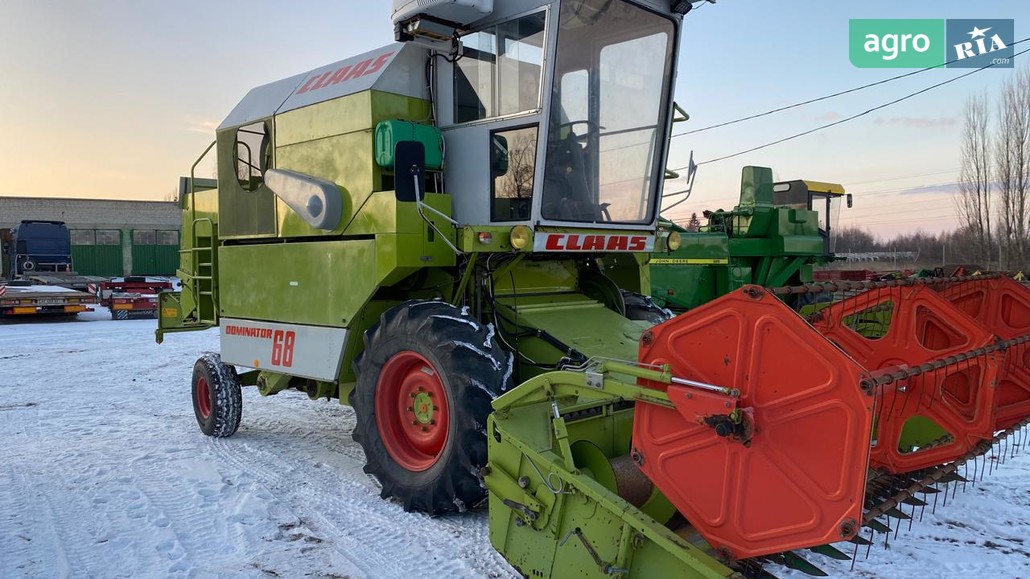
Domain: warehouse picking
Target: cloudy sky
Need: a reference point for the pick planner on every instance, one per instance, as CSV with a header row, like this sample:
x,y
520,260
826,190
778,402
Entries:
x,y
116,98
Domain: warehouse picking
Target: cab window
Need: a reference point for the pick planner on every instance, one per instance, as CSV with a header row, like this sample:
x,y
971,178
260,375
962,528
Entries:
x,y
498,70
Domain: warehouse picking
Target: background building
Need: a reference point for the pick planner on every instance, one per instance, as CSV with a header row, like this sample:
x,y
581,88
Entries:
x,y
109,237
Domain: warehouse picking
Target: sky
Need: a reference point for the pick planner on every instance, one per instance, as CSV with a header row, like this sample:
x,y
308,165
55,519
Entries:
x,y
117,98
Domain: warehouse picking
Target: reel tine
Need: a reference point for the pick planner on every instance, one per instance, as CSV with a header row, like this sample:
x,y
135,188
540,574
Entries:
x,y
799,563
860,540
953,477
914,502
877,526
831,552
897,514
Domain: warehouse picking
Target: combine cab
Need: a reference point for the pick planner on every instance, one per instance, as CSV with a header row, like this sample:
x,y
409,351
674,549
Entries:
x,y
482,305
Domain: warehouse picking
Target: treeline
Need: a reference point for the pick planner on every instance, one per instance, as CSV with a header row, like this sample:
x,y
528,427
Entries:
x,y
946,248
994,187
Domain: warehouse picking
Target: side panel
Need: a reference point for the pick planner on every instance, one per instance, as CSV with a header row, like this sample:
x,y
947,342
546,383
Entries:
x,y
307,351
334,140
244,213
322,283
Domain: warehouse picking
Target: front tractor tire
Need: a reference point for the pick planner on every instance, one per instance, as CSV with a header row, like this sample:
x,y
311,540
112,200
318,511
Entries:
x,y
424,385
217,398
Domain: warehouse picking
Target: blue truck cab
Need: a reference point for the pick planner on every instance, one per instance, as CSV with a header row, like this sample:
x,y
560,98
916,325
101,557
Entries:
x,y
41,246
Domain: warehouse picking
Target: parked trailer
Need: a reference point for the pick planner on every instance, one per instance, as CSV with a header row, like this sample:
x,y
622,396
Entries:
x,y
23,298
131,298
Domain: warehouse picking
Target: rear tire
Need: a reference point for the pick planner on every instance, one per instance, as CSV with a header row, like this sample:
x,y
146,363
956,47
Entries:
x,y
640,307
424,385
217,397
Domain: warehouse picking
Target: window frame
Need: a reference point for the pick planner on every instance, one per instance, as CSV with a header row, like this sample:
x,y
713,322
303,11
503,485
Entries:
x,y
495,83
264,160
493,180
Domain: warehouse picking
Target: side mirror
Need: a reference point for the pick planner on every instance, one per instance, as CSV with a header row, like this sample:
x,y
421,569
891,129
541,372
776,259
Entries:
x,y
850,200
409,170
498,155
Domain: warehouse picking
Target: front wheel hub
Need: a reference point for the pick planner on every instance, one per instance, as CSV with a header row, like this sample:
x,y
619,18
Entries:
x,y
423,409
411,411
203,397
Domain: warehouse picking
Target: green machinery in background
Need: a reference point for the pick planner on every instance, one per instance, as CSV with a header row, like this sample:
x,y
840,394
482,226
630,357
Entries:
x,y
773,237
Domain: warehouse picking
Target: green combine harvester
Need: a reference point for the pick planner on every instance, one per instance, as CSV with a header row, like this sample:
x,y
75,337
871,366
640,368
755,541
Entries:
x,y
451,234
772,238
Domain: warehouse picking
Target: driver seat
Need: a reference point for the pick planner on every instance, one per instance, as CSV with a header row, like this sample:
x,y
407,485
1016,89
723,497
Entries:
x,y
567,173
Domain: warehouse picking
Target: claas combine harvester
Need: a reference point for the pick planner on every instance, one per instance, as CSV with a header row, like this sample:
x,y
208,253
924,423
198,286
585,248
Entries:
x,y
451,234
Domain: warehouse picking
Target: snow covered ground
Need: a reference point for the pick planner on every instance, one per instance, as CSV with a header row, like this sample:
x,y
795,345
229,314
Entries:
x,y
104,473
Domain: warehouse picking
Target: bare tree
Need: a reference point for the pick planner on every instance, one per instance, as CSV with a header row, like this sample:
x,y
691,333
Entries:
x,y
518,181
1012,161
974,197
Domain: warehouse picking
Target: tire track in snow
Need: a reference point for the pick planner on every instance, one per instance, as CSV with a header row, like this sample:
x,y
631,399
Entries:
x,y
75,542
179,510
297,427
30,545
340,451
364,526
339,448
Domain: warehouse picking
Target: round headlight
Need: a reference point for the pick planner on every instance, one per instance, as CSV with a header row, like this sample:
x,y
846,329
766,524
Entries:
x,y
674,241
520,236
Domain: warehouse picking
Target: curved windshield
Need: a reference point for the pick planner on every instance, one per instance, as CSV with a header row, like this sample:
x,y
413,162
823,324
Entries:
x,y
608,113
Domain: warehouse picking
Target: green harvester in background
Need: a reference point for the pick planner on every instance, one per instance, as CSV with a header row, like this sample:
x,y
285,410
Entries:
x,y
774,237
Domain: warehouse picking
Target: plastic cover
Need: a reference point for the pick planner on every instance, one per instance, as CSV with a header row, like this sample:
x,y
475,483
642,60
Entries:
x,y
459,11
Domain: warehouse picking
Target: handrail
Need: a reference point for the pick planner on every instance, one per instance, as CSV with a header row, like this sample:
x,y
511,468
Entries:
x,y
193,177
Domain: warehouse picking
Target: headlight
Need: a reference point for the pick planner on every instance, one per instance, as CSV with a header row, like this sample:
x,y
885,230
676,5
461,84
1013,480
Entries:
x,y
674,241
520,236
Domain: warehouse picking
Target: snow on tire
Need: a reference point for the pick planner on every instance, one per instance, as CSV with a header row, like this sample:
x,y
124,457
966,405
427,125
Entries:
x,y
425,381
217,398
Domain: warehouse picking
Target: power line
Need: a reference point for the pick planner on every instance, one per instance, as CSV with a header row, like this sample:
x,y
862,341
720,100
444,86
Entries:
x,y
899,178
823,98
938,212
859,195
906,221
851,118
882,192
